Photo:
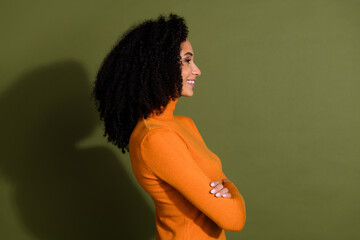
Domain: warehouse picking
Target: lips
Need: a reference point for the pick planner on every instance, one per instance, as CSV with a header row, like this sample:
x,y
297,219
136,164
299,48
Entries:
x,y
191,82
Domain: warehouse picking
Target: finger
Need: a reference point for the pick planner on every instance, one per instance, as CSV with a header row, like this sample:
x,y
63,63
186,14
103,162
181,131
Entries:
x,y
221,192
217,188
226,195
214,183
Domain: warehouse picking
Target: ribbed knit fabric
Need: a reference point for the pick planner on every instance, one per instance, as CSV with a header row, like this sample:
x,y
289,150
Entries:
x,y
172,163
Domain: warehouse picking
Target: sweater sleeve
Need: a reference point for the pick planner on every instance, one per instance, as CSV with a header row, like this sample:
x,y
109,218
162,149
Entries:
x,y
230,186
166,155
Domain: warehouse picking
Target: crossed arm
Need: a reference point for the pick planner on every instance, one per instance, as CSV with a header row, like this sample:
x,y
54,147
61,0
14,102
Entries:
x,y
167,156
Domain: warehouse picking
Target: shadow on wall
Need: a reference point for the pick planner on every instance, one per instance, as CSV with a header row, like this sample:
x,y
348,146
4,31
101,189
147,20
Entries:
x,y
62,192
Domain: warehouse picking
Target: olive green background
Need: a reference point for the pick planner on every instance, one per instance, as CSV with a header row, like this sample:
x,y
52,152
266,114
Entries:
x,y
278,102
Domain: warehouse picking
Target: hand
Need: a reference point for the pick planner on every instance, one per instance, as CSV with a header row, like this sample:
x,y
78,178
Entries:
x,y
219,190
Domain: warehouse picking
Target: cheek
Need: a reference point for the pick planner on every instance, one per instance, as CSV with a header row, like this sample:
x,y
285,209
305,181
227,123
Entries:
x,y
185,71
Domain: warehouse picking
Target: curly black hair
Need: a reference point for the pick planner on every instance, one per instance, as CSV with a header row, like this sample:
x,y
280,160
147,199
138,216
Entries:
x,y
140,75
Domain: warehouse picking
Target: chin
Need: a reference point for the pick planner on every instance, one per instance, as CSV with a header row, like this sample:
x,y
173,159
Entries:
x,y
187,94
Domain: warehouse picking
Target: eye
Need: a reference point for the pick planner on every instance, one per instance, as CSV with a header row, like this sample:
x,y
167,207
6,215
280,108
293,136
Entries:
x,y
187,60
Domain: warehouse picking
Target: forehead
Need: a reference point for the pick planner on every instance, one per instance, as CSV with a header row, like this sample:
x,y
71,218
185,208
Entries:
x,y
185,47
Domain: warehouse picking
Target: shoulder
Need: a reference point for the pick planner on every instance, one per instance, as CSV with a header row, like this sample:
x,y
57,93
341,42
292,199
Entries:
x,y
185,120
159,135
144,139
144,126
161,143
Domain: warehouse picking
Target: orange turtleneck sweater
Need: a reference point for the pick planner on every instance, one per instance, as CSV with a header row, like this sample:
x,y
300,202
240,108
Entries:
x,y
172,163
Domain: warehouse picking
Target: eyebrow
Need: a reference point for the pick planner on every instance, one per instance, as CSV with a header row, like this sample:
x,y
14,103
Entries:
x,y
188,53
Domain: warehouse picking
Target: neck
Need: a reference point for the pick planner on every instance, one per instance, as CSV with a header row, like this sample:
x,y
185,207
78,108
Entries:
x,y
168,113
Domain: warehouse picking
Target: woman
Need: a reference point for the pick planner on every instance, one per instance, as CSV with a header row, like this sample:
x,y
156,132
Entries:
x,y
137,89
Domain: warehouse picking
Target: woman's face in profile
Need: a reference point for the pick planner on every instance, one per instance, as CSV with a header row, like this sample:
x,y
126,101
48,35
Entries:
x,y
189,71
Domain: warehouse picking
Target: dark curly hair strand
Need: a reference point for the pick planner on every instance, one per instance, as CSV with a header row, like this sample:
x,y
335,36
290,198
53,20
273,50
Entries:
x,y
140,75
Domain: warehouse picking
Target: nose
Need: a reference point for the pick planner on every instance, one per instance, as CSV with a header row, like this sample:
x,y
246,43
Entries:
x,y
196,71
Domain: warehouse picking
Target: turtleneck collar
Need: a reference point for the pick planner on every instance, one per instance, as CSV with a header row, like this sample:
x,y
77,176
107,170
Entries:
x,y
168,113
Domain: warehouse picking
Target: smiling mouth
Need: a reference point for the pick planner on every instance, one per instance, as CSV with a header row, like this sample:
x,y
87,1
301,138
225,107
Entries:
x,y
191,82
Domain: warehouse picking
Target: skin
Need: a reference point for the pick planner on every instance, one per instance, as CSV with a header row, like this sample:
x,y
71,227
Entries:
x,y
189,71
219,190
